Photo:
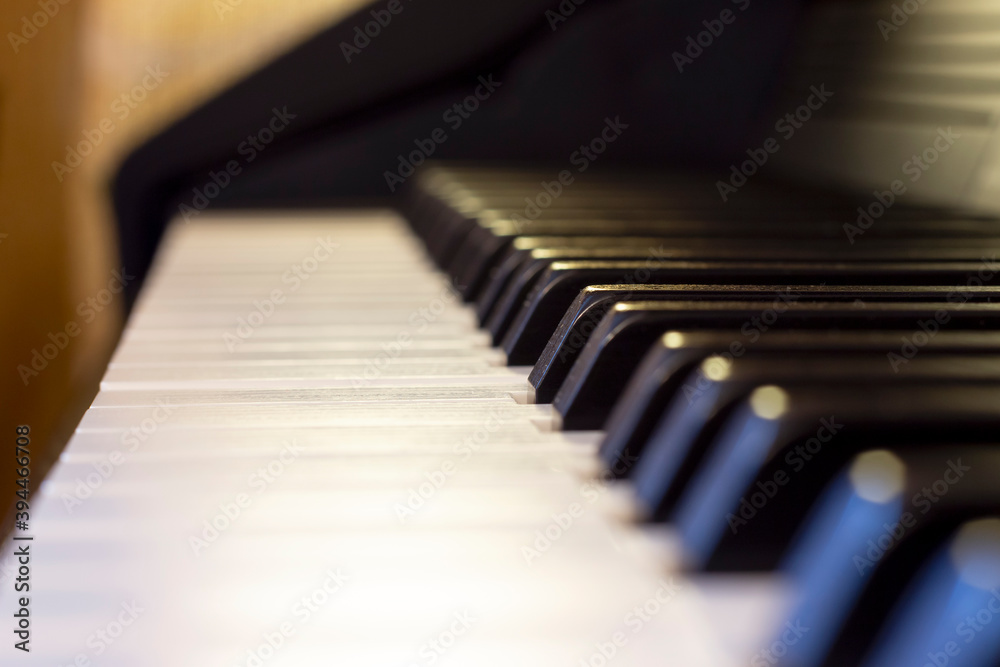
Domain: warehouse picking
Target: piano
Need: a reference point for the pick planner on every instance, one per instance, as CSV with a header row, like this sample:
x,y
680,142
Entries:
x,y
560,410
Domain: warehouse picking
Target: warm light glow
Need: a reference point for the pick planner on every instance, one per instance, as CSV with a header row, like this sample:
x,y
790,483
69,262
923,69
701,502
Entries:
x,y
716,368
673,339
975,553
769,402
878,476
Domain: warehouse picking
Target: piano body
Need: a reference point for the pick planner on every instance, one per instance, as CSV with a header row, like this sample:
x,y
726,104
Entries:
x,y
554,402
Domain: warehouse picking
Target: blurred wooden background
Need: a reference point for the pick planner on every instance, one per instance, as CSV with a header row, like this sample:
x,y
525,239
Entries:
x,y
63,72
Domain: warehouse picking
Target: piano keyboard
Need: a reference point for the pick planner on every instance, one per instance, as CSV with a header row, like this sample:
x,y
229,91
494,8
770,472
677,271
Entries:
x,y
307,451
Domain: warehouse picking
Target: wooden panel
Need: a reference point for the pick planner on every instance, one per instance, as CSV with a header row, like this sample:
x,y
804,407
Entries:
x,y
77,92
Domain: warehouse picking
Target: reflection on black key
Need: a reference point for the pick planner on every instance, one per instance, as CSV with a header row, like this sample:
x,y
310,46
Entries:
x,y
689,427
877,527
672,372
750,542
946,615
803,431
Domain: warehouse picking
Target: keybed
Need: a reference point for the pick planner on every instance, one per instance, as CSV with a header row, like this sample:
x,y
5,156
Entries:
x,y
423,509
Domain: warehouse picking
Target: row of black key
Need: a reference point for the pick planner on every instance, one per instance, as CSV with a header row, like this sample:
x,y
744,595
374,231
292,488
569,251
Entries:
x,y
788,400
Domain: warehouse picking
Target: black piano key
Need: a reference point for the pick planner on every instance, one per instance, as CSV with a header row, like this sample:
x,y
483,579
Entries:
x,y
520,270
507,203
527,273
761,544
560,283
680,440
673,372
590,305
484,247
846,590
663,465
510,280
676,239
629,329
496,284
494,275
805,431
480,264
447,238
941,611
478,218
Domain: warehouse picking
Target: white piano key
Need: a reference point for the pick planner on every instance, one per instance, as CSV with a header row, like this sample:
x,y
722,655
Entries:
x,y
427,484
